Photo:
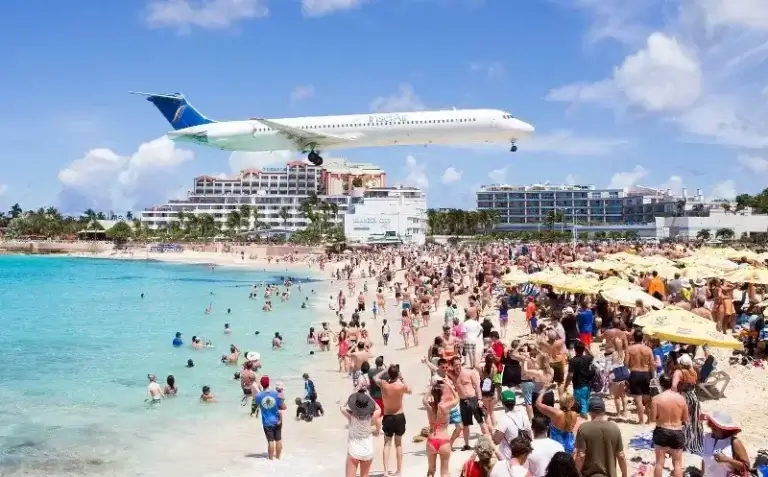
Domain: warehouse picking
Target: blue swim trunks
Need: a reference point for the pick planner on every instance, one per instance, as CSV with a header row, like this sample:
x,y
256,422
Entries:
x,y
528,387
455,416
581,396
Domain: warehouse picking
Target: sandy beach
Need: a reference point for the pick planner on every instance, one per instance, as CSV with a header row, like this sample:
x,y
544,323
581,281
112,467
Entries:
x,y
318,447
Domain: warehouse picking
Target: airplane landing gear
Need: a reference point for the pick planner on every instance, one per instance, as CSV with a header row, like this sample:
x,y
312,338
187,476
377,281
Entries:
x,y
315,158
513,147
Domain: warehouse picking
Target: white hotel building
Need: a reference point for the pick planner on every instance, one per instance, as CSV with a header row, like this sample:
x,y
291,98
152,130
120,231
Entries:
x,y
387,212
271,189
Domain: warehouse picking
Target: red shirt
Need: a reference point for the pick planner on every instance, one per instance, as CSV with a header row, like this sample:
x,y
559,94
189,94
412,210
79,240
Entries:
x,y
498,350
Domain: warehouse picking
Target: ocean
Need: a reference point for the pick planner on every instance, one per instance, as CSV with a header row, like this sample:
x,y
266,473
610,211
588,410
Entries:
x,y
78,342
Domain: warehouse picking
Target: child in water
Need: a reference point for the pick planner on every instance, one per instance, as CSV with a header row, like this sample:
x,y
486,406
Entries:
x,y
207,395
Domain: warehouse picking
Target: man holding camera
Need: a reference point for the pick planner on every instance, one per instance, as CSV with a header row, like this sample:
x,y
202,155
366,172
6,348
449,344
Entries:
x,y
393,389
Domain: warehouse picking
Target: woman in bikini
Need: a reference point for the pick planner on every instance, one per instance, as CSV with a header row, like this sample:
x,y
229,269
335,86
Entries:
x,y
406,328
438,403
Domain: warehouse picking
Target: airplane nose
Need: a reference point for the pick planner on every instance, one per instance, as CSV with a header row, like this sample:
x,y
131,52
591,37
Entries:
x,y
525,127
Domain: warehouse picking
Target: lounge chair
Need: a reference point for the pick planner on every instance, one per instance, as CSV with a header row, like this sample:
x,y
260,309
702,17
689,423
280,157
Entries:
x,y
712,383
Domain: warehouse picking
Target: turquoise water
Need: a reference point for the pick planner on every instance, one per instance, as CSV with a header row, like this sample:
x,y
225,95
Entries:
x,y
78,342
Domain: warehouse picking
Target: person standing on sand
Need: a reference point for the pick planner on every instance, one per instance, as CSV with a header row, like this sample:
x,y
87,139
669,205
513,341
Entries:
x,y
357,357
670,412
393,389
640,361
599,446
467,384
361,413
271,405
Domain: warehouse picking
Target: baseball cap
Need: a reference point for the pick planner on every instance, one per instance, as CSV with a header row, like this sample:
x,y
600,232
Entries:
x,y
596,404
568,311
264,381
508,395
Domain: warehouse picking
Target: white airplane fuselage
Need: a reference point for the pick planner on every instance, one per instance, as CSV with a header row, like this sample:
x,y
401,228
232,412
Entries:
x,y
457,126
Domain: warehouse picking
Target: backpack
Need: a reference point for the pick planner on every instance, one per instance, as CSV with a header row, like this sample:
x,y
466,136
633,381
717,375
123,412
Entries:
x,y
486,385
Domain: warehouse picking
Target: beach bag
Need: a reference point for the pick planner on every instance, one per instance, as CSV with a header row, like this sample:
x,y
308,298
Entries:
x,y
486,385
620,374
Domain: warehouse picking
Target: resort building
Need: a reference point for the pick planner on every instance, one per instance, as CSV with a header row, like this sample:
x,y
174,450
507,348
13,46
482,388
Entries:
x,y
386,215
274,193
533,204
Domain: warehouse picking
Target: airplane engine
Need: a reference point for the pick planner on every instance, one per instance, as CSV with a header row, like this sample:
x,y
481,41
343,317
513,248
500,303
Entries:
x,y
229,130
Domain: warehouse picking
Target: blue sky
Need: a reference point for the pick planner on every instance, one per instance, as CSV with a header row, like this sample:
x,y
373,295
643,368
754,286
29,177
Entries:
x,y
667,93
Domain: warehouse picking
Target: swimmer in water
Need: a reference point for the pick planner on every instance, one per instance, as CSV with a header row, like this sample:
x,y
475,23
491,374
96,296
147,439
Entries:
x,y
209,309
234,355
170,386
154,391
229,310
267,306
227,329
207,396
277,341
177,341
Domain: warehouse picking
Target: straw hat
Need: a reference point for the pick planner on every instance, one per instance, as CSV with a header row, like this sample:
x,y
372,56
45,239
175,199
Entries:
x,y
252,356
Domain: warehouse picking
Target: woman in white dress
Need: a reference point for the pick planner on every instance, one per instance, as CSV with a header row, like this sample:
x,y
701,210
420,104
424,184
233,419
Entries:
x,y
723,454
361,412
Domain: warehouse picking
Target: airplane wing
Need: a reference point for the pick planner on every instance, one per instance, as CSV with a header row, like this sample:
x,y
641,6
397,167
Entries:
x,y
303,138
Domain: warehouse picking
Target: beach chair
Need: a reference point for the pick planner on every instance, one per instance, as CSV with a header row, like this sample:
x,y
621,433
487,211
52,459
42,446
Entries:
x,y
712,383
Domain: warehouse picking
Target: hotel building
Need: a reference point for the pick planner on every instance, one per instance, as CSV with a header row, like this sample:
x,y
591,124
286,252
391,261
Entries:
x,y
384,212
268,191
532,204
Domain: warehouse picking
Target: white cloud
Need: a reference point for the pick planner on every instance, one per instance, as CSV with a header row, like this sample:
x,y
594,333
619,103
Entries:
x,y
451,175
415,173
674,184
208,14
302,92
622,180
105,180
405,99
725,190
699,69
498,176
571,179
755,164
492,69
319,8
664,76
258,160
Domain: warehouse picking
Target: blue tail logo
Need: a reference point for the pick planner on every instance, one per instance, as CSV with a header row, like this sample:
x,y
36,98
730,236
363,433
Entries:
x,y
176,110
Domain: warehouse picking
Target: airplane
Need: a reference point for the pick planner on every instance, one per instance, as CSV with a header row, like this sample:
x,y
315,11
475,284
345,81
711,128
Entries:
x,y
312,134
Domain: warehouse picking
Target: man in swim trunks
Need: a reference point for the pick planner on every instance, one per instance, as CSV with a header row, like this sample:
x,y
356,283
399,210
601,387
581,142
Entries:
x,y
467,384
670,413
639,360
154,391
393,388
358,356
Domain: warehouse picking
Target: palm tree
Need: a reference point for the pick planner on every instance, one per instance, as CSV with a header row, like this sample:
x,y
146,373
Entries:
x,y
234,222
181,218
206,225
246,212
284,216
433,221
725,234
15,211
703,234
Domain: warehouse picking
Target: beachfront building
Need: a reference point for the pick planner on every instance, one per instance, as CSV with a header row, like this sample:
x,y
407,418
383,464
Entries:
x,y
387,215
534,204
275,194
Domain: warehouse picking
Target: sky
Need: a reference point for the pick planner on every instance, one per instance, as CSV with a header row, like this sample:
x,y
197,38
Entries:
x,y
662,93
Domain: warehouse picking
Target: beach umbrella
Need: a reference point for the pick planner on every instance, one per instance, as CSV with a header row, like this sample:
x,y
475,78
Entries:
x,y
757,276
515,277
630,296
718,263
608,265
577,284
544,276
672,315
682,326
614,282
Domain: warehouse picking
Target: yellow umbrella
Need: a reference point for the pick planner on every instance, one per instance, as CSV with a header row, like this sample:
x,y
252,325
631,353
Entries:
x,y
515,277
673,315
577,264
718,263
544,276
678,326
613,282
607,266
758,276
578,284
630,296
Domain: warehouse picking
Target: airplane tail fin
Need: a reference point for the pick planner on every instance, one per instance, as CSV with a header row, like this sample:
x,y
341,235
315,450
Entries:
x,y
176,110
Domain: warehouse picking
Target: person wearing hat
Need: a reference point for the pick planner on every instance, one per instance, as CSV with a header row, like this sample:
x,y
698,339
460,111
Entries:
x,y
361,412
724,453
599,445
482,460
514,422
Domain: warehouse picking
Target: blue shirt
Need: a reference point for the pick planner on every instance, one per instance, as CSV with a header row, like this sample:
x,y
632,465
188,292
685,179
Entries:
x,y
269,403
586,321
309,388
177,342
